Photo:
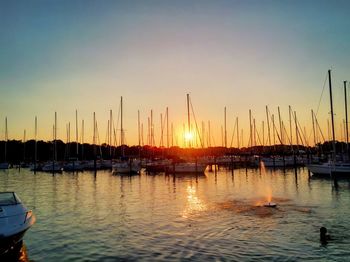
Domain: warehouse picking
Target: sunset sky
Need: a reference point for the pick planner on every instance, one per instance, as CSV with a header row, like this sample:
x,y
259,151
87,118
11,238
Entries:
x,y
67,55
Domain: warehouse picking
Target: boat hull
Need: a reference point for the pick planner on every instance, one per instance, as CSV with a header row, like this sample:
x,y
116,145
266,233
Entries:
x,y
187,168
329,169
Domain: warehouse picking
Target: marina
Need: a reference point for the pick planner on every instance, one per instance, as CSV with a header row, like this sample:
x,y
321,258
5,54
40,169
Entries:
x,y
174,130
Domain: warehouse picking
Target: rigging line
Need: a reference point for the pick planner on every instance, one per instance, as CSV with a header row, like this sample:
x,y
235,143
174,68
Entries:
x,y
233,133
319,129
195,121
274,126
319,102
259,140
116,132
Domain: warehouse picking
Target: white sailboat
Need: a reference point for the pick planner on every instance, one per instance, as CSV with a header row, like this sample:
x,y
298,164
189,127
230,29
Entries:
x,y
332,167
129,166
187,167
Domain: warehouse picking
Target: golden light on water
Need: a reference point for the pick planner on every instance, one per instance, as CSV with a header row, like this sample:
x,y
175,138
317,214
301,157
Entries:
x,y
194,204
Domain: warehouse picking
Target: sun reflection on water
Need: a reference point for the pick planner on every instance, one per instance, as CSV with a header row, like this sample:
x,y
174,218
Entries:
x,y
194,204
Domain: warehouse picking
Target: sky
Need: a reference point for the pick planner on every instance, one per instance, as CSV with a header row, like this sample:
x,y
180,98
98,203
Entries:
x,y
62,56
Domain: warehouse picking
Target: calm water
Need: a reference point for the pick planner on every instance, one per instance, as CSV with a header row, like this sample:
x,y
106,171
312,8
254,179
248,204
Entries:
x,y
205,218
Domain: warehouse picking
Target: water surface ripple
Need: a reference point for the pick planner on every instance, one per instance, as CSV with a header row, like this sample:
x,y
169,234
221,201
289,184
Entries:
x,y
214,217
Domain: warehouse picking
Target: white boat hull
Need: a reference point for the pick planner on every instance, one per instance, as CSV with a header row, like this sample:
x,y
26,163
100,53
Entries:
x,y
329,169
15,220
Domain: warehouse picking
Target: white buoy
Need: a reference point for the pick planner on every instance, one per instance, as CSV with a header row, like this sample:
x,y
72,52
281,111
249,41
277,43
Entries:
x,y
270,204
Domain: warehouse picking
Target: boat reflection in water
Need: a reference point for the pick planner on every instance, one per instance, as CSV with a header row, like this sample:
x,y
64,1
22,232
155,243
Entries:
x,y
18,254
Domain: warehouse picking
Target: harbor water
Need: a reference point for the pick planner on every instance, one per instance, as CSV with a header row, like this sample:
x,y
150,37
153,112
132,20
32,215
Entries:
x,y
219,216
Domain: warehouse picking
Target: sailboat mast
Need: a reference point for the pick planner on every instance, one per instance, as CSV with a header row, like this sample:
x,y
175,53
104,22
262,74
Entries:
x,y
268,125
82,139
121,122
94,137
110,132
55,132
313,126
346,119
6,138
188,119
250,129
138,126
35,145
225,127
167,127
237,133
290,126
76,133
332,113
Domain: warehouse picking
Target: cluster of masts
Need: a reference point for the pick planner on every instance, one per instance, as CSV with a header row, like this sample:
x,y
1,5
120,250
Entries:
x,y
273,131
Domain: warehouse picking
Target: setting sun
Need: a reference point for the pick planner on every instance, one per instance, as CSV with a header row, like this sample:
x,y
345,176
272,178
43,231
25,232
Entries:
x,y
189,136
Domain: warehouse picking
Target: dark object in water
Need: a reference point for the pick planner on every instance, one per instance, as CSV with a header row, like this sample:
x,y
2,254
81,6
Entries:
x,y
270,204
324,236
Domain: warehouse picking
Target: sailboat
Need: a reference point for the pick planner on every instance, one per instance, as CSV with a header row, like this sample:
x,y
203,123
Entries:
x,y
331,167
5,165
187,167
125,166
53,166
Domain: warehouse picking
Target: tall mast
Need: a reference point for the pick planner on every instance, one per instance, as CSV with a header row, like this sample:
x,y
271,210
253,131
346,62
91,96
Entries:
x,y
188,119
296,128
332,113
237,132
209,135
82,139
250,129
161,130
290,125
313,126
121,122
225,127
254,128
273,130
110,132
152,130
35,145
6,139
55,132
76,133
167,127
138,126
268,125
94,137
346,119
148,132
24,145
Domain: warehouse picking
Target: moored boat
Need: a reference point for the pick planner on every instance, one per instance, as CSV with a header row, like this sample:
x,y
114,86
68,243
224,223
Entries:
x,y
187,167
15,220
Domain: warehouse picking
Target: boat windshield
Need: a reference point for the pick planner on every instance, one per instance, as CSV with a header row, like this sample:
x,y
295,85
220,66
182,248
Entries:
x,y
9,198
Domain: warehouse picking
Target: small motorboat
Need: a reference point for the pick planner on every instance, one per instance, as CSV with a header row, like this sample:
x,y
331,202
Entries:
x,y
15,220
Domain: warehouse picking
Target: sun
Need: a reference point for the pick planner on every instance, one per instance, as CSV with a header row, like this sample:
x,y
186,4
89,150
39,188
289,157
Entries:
x,y
189,136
